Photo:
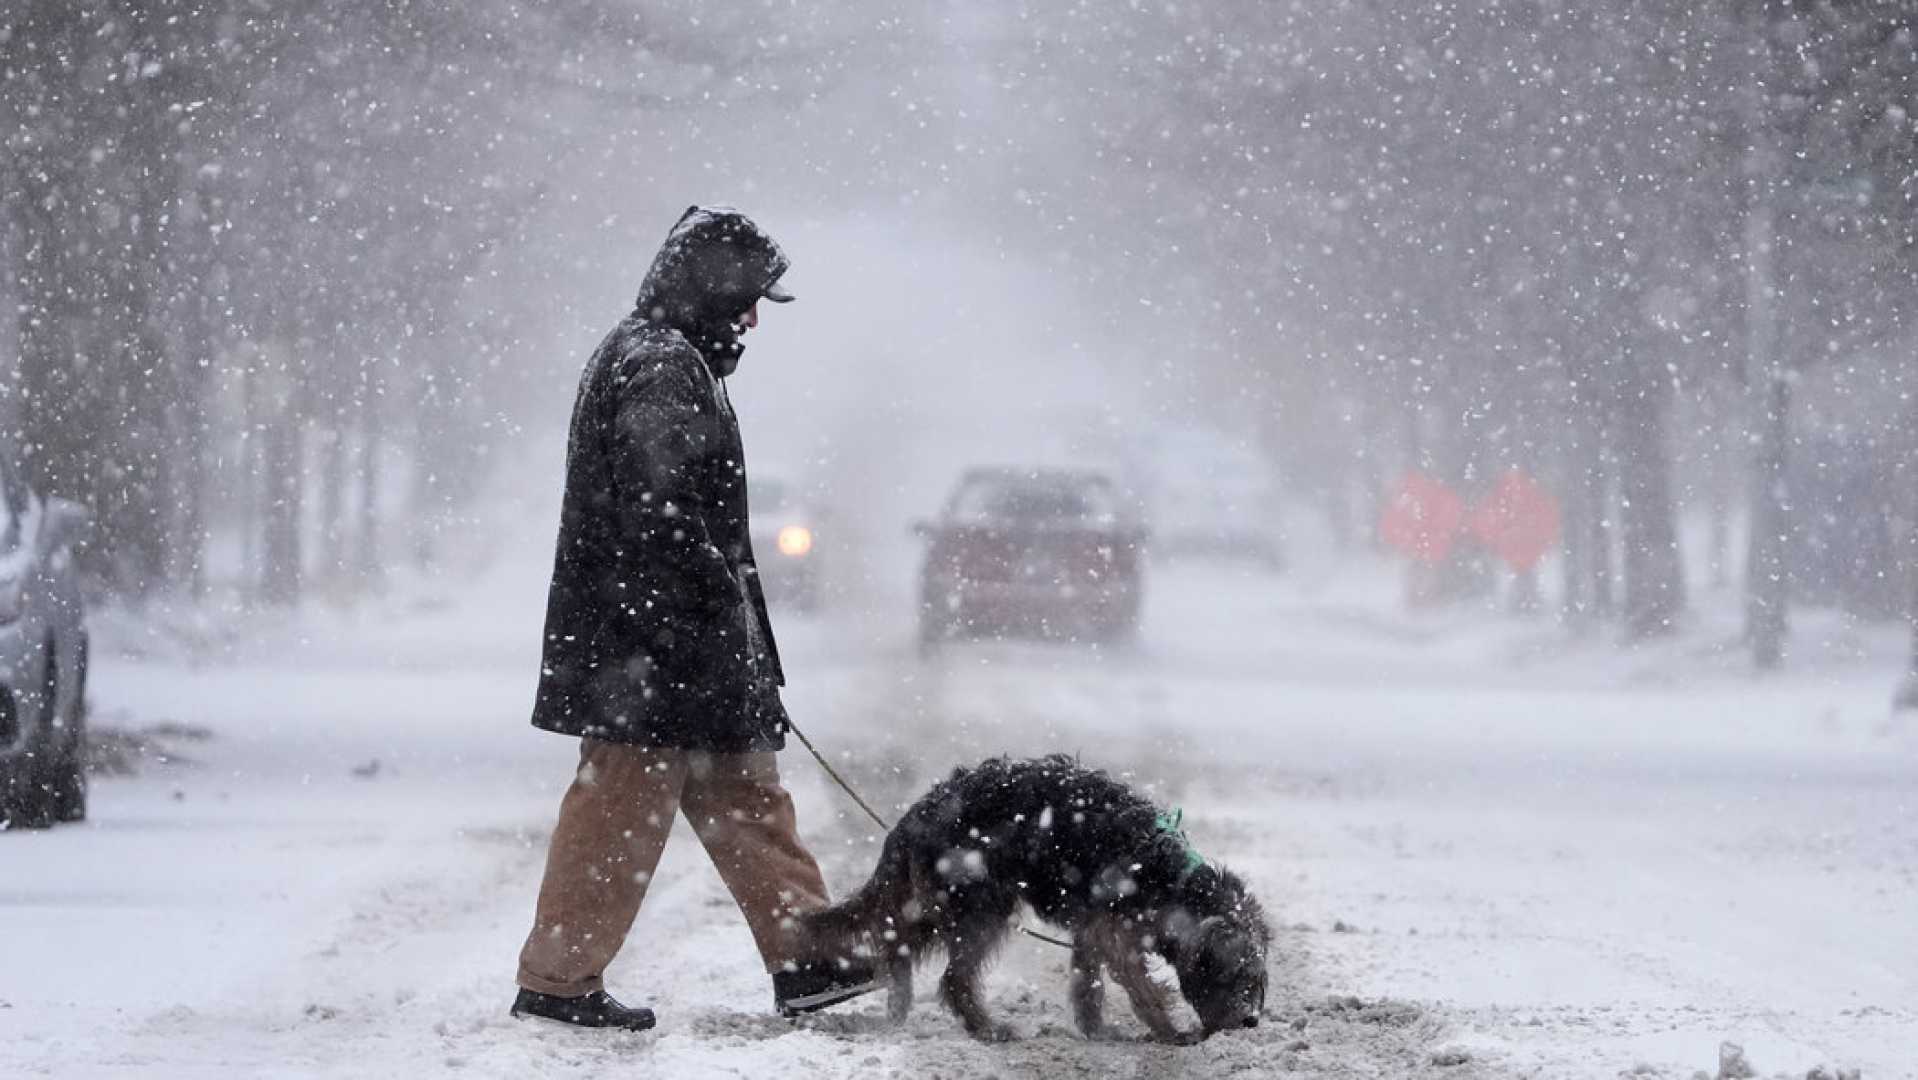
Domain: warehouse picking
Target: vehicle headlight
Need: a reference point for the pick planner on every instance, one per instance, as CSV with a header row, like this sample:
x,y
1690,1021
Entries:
x,y
795,540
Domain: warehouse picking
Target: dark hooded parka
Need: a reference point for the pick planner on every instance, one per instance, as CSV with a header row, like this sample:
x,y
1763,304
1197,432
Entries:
x,y
656,626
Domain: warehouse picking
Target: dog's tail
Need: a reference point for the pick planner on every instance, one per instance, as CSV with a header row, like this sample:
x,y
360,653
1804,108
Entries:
x,y
864,918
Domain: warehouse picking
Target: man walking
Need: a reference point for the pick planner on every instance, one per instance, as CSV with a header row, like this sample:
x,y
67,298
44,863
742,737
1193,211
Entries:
x,y
659,653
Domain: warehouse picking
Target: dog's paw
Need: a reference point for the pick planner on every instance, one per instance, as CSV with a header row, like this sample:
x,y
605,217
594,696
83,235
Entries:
x,y
1100,1033
995,1033
1186,1038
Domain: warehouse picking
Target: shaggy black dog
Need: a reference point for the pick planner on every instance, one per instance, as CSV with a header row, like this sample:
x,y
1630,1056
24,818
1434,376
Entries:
x,y
1086,853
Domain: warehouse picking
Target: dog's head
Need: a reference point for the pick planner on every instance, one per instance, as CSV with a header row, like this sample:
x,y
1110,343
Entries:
x,y
1220,956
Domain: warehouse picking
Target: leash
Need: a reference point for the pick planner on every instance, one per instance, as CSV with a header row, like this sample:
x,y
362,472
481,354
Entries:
x,y
879,821
836,778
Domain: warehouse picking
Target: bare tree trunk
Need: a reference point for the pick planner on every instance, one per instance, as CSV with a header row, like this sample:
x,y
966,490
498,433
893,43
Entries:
x,y
1654,568
1767,576
280,537
333,556
1906,696
250,482
1767,587
199,309
368,547
189,567
1573,577
10,328
1588,556
426,492
140,392
1717,469
60,421
1905,506
1718,510
1600,561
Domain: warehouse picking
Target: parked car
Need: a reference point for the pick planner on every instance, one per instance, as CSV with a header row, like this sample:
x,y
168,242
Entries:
x,y
1050,552
43,658
1210,496
790,531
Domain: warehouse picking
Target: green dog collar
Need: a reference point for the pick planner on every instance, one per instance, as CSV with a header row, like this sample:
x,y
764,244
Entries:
x,y
1171,822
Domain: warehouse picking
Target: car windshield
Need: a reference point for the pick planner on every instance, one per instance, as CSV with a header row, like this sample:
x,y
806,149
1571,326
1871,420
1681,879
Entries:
x,y
1035,500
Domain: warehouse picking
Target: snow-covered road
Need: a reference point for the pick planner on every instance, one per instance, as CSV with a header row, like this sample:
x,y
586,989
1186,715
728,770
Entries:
x,y
1488,853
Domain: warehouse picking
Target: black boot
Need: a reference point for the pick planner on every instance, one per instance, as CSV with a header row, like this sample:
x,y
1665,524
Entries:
x,y
817,985
594,1010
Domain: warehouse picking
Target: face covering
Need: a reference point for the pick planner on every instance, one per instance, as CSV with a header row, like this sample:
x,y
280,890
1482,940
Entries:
x,y
719,343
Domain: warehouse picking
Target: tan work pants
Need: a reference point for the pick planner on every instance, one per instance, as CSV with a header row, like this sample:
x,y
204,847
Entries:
x,y
612,827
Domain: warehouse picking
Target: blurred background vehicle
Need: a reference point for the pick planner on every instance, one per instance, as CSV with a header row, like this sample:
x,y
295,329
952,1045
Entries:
x,y
1044,552
790,532
43,658
1209,495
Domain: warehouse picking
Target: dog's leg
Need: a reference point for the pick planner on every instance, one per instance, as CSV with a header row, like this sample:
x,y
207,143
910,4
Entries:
x,y
970,947
1088,986
899,978
1149,999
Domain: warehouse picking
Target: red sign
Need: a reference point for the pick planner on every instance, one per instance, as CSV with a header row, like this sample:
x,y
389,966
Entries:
x,y
1423,519
1518,521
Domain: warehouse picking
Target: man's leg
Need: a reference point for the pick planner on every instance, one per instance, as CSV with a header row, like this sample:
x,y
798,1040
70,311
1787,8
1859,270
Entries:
x,y
744,816
612,826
